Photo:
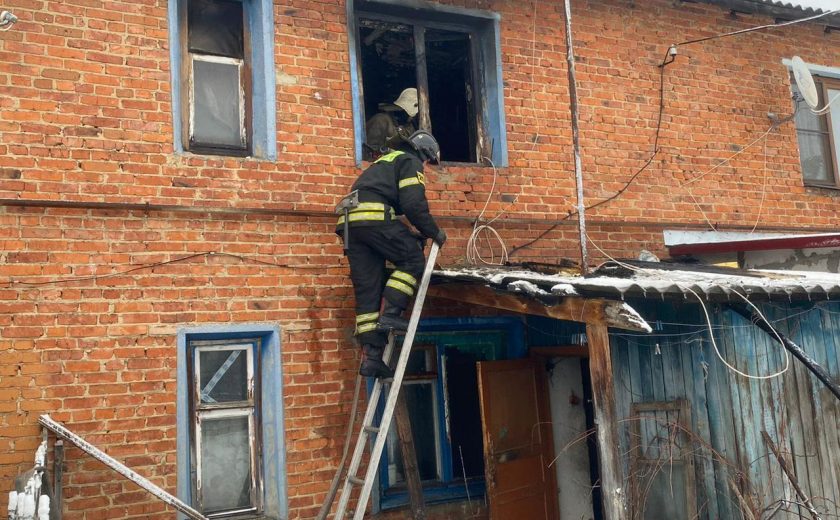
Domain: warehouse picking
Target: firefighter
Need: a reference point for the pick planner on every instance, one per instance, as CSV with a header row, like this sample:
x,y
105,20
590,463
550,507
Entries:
x,y
392,186
383,129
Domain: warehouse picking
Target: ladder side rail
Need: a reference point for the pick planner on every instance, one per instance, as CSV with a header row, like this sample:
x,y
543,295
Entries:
x,y
362,438
391,403
359,450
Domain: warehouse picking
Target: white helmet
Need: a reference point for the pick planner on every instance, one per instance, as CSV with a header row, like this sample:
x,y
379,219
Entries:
x,y
408,101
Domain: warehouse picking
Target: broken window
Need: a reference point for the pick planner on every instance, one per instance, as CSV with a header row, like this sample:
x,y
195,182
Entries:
x,y
420,390
225,437
449,59
662,461
819,153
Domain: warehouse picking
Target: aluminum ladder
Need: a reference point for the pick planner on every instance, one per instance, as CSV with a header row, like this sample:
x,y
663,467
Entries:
x,y
367,429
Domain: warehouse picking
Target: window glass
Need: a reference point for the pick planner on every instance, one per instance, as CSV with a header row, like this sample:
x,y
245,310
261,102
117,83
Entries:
x,y
217,107
813,135
225,463
835,124
216,27
223,376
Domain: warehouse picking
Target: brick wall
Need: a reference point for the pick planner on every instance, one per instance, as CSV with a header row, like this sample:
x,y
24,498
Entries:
x,y
85,116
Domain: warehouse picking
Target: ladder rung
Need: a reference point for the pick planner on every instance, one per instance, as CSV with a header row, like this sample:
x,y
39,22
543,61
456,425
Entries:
x,y
356,480
372,429
386,380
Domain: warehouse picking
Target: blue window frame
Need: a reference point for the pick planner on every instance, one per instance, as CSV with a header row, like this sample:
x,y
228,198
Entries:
x,y
229,395
452,56
449,468
223,98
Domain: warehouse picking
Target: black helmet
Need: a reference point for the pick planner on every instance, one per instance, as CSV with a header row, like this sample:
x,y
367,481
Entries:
x,y
426,145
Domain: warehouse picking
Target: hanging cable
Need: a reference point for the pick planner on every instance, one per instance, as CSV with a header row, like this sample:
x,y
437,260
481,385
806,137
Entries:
x,y
759,28
717,350
487,232
670,56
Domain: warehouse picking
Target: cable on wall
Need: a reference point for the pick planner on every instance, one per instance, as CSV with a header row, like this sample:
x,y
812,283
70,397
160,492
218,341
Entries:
x,y
243,258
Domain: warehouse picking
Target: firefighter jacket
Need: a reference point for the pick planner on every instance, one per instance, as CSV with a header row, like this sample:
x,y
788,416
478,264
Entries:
x,y
393,185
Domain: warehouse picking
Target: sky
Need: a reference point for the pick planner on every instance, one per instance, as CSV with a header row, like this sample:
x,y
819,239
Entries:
x,y
826,5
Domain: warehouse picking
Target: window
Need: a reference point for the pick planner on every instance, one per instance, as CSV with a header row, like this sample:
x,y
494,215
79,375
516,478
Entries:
x,y
226,447
441,389
230,430
225,80
451,56
662,461
817,134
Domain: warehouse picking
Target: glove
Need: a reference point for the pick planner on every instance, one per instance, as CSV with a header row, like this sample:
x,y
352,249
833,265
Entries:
x,y
440,238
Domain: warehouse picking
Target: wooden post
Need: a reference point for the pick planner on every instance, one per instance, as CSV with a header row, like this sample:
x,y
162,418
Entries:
x,y
402,420
606,422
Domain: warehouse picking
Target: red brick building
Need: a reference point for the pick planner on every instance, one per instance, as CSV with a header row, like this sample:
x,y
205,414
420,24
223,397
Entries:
x,y
168,173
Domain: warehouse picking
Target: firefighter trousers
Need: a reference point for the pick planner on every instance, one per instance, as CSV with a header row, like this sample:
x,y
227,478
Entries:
x,y
370,247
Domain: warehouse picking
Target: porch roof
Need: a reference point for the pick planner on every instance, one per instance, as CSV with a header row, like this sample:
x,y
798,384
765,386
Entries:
x,y
634,279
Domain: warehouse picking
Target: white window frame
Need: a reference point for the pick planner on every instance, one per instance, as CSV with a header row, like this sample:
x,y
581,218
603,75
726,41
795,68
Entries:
x,y
240,66
247,408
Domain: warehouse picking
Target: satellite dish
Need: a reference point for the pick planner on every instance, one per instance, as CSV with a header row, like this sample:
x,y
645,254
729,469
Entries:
x,y
805,82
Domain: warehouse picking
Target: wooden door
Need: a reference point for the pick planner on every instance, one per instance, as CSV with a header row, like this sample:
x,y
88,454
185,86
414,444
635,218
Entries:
x,y
518,443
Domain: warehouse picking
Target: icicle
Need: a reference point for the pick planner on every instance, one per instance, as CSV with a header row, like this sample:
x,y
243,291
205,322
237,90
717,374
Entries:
x,y
44,508
13,501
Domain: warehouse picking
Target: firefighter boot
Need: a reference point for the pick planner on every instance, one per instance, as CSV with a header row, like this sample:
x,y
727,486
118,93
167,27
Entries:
x,y
391,319
373,365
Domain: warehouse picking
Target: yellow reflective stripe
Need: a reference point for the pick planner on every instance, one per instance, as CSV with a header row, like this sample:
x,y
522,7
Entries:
x,y
410,181
405,277
367,327
421,178
389,157
371,316
398,285
368,206
367,215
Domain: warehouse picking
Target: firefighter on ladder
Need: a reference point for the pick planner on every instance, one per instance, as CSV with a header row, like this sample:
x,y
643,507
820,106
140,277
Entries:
x,y
394,185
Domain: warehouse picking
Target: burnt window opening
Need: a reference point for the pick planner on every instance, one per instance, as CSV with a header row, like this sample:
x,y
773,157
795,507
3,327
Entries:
x,y
441,65
216,70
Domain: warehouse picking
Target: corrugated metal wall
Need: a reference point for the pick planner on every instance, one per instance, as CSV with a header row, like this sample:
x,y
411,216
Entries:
x,y
729,412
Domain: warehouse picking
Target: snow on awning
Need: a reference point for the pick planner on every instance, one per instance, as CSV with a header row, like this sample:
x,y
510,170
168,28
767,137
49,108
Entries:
x,y
660,280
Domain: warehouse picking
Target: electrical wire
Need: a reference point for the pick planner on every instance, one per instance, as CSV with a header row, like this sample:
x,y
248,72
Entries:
x,y
669,58
242,258
717,350
483,230
758,28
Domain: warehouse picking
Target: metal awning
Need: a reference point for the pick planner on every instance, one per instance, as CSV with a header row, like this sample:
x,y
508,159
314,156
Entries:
x,y
659,280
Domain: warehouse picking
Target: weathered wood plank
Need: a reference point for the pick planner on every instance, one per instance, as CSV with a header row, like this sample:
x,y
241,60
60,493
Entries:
x,y
603,397
613,314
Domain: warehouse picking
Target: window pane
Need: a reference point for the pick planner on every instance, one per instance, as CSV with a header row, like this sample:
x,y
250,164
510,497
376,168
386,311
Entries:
x,y
451,92
225,464
664,492
217,98
815,156
805,119
223,376
464,413
835,123
216,27
421,408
